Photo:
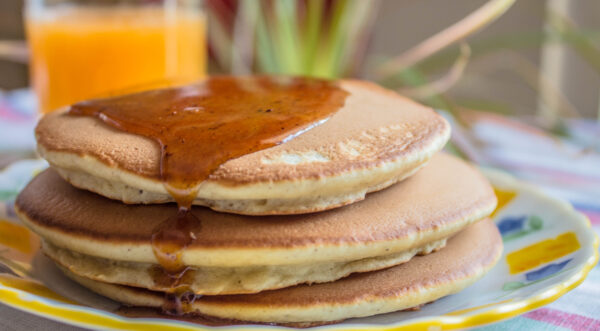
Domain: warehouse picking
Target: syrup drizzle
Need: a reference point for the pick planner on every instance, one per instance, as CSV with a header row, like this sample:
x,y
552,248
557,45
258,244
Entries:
x,y
201,126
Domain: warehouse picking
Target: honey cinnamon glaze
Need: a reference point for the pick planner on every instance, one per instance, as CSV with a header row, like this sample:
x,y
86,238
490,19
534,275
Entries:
x,y
199,127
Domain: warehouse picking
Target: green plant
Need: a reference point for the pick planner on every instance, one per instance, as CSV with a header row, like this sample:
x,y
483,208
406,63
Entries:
x,y
329,38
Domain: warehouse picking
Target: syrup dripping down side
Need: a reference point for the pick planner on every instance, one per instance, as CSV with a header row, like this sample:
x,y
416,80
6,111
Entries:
x,y
200,127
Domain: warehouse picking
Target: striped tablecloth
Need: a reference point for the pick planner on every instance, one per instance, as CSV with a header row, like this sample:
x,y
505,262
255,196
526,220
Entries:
x,y
567,167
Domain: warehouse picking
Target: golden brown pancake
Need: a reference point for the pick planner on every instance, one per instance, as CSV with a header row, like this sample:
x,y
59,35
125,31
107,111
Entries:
x,y
441,199
377,139
105,240
467,257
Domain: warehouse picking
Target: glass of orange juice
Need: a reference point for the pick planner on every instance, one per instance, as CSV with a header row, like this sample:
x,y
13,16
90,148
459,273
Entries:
x,y
82,49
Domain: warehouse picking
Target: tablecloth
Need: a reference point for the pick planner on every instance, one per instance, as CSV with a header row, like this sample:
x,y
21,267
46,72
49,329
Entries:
x,y
566,166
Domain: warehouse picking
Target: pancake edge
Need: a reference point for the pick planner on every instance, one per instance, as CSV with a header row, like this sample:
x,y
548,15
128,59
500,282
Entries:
x,y
340,183
225,281
252,207
330,180
237,256
367,305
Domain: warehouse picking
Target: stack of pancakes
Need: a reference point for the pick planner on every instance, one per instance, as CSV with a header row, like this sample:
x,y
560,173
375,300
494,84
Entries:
x,y
355,217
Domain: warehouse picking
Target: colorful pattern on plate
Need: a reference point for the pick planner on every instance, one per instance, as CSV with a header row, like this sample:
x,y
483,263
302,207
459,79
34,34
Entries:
x,y
542,252
513,227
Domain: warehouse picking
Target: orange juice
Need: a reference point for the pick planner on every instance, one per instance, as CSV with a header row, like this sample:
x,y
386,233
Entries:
x,y
82,53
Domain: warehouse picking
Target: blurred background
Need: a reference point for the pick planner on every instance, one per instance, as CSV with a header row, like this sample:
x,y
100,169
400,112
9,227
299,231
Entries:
x,y
536,62
519,81
540,54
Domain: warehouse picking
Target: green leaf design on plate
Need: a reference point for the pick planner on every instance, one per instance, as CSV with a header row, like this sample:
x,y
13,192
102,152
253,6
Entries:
x,y
534,223
510,286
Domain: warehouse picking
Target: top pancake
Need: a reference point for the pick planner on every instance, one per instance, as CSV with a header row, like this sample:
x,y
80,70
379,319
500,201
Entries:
x,y
438,201
374,140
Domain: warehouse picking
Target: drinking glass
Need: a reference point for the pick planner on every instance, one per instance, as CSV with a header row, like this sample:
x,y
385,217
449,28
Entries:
x,y
81,49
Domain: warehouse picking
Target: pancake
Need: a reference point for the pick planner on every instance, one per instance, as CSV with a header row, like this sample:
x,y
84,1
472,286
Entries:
x,y
108,241
225,280
375,140
466,258
438,201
